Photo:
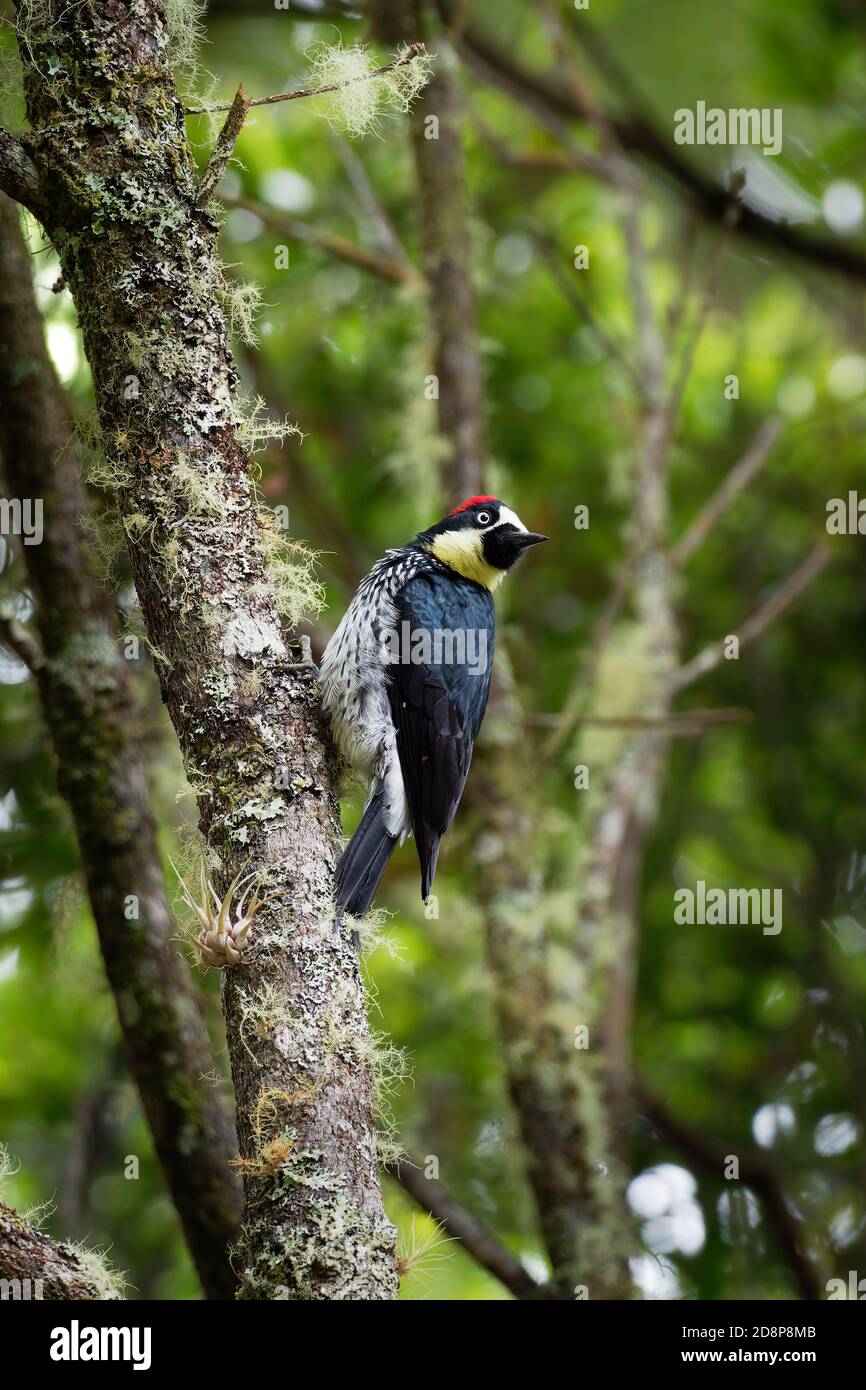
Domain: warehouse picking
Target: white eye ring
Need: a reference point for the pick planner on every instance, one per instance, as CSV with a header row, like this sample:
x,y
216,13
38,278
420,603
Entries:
x,y
483,518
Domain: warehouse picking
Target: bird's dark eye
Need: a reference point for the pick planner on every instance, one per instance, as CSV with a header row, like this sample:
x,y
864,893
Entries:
x,y
483,518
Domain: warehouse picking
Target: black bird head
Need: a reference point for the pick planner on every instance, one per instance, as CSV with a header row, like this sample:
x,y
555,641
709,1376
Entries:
x,y
481,539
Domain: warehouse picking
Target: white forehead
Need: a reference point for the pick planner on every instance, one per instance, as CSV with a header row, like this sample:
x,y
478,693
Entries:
x,y
509,518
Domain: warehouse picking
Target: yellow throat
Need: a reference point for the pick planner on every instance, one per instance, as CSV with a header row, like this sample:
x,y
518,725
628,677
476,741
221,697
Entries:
x,y
462,551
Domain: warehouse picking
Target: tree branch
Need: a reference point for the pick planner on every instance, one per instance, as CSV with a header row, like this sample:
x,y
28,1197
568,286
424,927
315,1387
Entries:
x,y
686,724
369,201
46,1269
784,596
294,227
408,55
578,301
481,1244
224,147
19,176
14,635
637,136
739,477
446,252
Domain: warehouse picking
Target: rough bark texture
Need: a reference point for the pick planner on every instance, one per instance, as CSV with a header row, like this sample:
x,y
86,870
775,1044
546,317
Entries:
x,y
139,254
445,245
91,719
38,1268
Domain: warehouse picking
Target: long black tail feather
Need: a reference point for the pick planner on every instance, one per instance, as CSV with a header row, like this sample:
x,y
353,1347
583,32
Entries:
x,y
364,859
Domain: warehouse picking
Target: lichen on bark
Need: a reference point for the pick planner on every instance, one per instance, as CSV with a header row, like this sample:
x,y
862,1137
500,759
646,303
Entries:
x,y
140,256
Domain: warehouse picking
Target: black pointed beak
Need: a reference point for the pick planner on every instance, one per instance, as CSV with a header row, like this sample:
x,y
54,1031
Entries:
x,y
524,539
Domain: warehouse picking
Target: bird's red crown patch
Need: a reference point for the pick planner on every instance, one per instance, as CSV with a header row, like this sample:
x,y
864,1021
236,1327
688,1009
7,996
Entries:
x,y
472,502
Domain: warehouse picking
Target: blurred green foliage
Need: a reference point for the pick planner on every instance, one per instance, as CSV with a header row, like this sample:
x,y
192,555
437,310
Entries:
x,y
746,1037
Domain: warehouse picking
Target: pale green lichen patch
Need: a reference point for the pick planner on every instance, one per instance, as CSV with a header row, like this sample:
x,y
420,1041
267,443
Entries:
x,y
322,1245
107,1280
359,100
214,575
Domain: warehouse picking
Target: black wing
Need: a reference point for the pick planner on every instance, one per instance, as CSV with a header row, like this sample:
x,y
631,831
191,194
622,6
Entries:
x,y
437,705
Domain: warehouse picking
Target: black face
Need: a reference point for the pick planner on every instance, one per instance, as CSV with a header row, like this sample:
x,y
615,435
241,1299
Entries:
x,y
502,543
505,544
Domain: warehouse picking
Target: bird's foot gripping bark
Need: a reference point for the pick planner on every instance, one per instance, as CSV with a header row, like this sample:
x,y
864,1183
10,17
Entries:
x,y
226,923
304,645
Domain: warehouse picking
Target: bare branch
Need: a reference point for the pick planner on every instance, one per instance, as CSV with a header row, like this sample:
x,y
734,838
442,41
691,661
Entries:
x,y
224,147
20,640
686,724
707,297
19,176
553,101
299,230
480,1243
565,281
786,594
739,477
57,1271
369,200
582,689
415,50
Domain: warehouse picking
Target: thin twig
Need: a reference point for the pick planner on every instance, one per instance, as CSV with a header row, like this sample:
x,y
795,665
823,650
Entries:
x,y
564,280
480,1243
224,147
739,477
415,50
649,340
786,594
15,636
338,246
369,200
582,689
708,295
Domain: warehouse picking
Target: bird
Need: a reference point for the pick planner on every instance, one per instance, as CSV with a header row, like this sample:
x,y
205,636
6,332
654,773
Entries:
x,y
404,682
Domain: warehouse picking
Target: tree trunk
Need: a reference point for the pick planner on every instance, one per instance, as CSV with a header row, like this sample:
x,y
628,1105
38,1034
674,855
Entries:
x,y
119,198
90,716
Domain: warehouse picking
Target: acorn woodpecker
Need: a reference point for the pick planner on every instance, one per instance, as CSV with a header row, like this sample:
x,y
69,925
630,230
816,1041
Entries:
x,y
405,680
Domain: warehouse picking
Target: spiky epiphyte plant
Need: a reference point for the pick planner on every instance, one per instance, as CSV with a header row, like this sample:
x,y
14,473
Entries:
x,y
226,923
419,1251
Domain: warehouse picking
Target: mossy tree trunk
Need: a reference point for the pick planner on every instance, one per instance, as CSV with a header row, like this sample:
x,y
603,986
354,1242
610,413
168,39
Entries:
x,y
118,196
89,711
37,1267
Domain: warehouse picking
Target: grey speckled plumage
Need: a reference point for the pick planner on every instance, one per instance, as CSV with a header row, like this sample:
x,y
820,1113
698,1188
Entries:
x,y
406,724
